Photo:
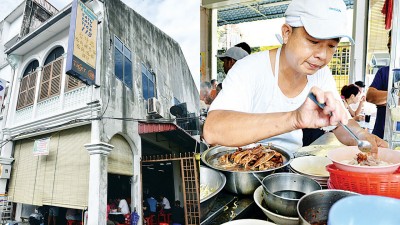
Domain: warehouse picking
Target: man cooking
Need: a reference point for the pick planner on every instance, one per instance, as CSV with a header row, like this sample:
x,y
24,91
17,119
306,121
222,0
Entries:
x,y
265,94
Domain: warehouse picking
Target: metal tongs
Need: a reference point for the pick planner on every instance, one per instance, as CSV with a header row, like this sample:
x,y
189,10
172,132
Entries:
x,y
364,146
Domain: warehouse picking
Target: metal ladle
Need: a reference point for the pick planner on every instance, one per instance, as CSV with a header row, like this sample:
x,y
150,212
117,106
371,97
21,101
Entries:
x,y
364,146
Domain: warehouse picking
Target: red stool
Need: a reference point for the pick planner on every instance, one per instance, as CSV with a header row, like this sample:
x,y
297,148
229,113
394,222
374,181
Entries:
x,y
128,219
169,215
150,220
74,222
162,217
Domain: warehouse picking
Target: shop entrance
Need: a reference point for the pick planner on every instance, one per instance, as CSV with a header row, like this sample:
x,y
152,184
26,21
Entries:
x,y
119,187
187,176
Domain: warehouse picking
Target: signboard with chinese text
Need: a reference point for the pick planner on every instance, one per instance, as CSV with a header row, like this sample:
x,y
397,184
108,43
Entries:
x,y
81,55
41,147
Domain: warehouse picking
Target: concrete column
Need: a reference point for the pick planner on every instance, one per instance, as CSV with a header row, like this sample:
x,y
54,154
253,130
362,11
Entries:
x,y
37,89
6,171
98,182
360,33
6,159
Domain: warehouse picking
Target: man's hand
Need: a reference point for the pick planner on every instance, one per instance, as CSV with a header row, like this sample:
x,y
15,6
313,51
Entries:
x,y
310,115
374,140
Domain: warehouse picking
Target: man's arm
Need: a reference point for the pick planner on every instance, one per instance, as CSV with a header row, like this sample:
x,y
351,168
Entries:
x,y
376,96
344,137
231,128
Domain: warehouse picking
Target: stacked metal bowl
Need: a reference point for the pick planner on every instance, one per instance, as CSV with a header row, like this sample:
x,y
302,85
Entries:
x,y
313,167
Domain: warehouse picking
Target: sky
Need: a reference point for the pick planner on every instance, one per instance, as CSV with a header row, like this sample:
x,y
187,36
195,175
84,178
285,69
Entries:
x,y
182,25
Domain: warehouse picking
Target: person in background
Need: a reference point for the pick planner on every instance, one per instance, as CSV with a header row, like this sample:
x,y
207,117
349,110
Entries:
x,y
244,46
214,84
73,214
351,94
53,214
205,95
123,206
377,94
231,56
178,214
165,204
360,84
213,92
152,204
219,88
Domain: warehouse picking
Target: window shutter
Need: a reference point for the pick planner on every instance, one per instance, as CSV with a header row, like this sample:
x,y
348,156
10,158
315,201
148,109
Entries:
x,y
22,92
45,83
30,96
27,91
73,83
51,79
56,77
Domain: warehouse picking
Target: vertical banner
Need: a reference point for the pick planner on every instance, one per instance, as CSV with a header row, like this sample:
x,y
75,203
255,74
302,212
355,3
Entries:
x,y
41,147
3,84
81,55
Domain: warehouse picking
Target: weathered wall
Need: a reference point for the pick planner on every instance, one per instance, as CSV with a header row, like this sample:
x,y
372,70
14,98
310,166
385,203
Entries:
x,y
151,47
34,15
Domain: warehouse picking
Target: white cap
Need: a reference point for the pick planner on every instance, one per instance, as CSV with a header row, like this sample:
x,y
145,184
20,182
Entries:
x,y
235,53
322,19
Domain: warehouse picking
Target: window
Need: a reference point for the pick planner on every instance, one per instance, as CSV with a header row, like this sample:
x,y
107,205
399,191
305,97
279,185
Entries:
x,y
122,63
26,94
51,75
148,83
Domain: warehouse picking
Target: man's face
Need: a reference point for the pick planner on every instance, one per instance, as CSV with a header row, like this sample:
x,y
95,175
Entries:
x,y
228,63
305,54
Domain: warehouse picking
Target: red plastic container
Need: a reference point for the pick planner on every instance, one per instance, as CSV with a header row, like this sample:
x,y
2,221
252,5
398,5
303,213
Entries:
x,y
365,183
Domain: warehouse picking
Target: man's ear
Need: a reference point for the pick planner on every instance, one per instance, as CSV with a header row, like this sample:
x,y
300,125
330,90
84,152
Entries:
x,y
286,32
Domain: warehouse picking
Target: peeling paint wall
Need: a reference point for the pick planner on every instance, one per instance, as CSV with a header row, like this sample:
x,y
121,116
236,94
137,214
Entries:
x,y
157,51
34,15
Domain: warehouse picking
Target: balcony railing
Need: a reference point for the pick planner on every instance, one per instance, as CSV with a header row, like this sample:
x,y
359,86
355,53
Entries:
x,y
56,105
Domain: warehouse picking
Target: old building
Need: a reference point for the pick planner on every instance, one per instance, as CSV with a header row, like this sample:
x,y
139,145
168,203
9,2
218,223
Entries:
x,y
94,133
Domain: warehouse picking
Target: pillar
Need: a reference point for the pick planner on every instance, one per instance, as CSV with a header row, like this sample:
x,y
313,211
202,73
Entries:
x,y
97,204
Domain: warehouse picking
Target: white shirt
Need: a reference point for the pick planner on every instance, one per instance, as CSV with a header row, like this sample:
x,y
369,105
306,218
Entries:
x,y
123,205
251,87
166,204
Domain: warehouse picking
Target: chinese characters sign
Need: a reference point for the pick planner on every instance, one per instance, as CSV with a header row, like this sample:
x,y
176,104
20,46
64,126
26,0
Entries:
x,y
81,57
41,147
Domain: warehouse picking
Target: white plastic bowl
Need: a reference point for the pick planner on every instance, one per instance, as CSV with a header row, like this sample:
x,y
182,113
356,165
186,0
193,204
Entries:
x,y
278,219
248,222
349,152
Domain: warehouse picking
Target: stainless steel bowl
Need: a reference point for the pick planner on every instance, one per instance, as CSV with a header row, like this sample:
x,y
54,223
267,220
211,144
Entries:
x,y
242,182
314,207
213,180
282,191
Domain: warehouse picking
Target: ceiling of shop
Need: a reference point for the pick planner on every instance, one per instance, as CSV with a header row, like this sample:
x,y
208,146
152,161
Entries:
x,y
234,11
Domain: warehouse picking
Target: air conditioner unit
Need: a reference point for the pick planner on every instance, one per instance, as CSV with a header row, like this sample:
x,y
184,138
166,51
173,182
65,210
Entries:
x,y
154,107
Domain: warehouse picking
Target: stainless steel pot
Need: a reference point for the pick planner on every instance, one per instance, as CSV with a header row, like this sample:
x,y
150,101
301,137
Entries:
x,y
314,207
215,181
282,191
241,182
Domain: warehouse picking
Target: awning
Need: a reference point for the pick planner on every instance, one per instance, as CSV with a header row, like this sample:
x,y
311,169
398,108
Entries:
x,y
168,136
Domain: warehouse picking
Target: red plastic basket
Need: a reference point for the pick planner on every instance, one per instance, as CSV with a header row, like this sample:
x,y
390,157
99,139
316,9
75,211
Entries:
x,y
365,183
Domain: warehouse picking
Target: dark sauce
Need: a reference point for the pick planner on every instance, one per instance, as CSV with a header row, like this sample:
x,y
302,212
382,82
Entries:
x,y
290,194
